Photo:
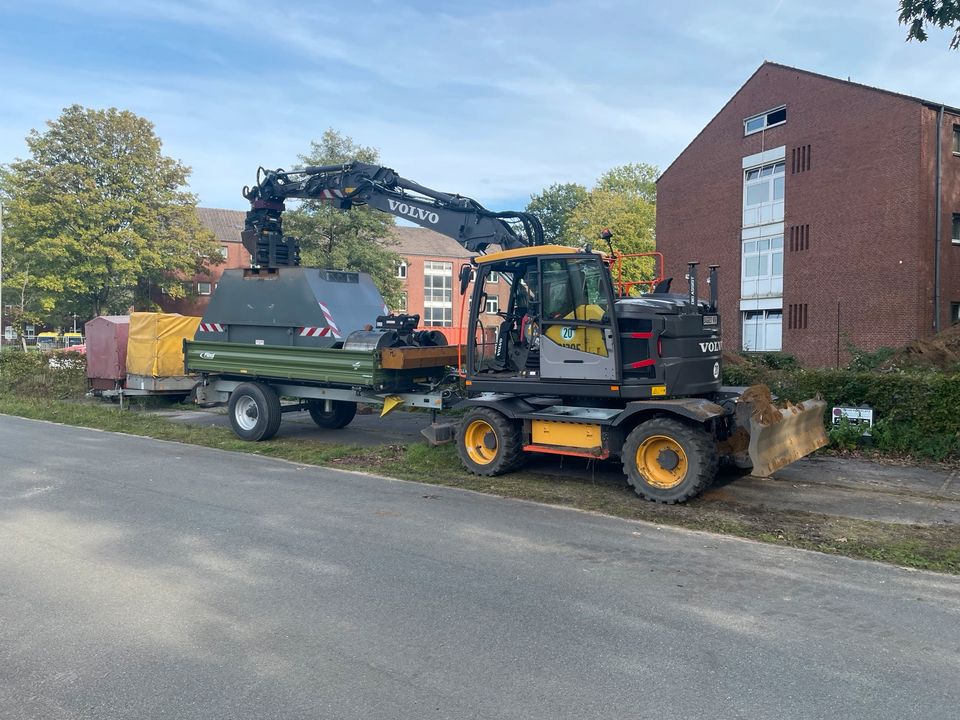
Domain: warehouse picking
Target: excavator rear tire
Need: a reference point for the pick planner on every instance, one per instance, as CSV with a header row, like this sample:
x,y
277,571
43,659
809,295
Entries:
x,y
489,443
669,461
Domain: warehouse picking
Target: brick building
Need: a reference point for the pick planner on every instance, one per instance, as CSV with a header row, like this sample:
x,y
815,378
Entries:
x,y
225,226
430,273
829,211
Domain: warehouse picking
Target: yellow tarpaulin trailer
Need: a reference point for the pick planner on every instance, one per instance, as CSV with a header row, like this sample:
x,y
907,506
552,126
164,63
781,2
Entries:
x,y
155,343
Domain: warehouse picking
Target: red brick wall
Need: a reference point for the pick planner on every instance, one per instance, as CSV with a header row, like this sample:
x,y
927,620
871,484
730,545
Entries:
x,y
950,204
863,199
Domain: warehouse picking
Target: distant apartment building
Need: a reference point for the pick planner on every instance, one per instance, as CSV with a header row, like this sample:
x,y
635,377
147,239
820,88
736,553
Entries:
x,y
429,272
832,209
225,226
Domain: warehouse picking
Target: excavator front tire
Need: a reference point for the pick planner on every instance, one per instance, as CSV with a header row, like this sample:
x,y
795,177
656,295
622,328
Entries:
x,y
669,461
489,443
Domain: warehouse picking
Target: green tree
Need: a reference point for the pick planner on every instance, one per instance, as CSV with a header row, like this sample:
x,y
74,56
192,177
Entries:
x,y
634,179
357,239
554,206
96,216
918,14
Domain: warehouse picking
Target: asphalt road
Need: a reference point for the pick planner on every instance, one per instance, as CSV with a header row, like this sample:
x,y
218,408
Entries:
x,y
143,579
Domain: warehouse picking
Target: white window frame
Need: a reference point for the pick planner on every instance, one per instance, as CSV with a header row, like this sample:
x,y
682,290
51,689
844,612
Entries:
x,y
493,277
402,269
402,305
437,279
770,209
955,228
225,252
492,306
765,252
765,116
200,285
766,330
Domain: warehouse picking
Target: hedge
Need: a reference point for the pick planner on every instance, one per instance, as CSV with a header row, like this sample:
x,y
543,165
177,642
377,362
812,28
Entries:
x,y
44,375
916,414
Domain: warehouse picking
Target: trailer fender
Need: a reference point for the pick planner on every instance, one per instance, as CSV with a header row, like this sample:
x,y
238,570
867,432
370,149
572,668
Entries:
x,y
699,410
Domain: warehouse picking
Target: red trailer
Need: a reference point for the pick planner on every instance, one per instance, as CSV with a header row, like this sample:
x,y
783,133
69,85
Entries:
x,y
107,351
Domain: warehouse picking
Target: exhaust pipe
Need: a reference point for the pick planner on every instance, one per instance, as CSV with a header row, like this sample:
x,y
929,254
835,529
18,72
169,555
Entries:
x,y
714,290
692,280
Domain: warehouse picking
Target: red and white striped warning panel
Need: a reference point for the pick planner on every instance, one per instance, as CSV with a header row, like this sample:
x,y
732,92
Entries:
x,y
211,327
335,331
331,194
315,332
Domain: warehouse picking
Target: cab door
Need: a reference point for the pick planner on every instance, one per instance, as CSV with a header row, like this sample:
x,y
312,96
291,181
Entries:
x,y
577,333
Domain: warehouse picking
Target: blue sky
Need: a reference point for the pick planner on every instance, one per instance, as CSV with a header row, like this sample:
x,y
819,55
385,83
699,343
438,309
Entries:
x,y
495,100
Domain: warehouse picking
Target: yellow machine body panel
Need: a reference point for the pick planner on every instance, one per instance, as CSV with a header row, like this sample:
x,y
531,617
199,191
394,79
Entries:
x,y
565,434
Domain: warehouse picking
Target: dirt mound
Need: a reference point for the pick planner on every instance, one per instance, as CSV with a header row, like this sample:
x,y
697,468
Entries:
x,y
941,352
763,408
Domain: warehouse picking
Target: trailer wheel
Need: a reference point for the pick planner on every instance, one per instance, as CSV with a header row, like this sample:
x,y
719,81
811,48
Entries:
x,y
340,414
254,411
489,443
669,461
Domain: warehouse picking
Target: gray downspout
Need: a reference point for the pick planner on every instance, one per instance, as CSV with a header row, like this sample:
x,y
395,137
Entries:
x,y
938,224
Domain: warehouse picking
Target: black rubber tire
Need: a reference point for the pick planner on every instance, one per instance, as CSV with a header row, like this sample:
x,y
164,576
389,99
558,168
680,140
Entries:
x,y
341,414
262,411
698,446
507,440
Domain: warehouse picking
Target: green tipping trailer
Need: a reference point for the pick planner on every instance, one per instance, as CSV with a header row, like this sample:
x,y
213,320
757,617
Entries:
x,y
328,382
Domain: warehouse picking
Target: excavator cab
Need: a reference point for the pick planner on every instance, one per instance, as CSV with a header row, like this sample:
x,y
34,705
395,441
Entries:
x,y
557,323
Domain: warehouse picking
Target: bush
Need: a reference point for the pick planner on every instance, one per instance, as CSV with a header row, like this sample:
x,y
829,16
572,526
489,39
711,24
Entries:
x,y
913,414
38,374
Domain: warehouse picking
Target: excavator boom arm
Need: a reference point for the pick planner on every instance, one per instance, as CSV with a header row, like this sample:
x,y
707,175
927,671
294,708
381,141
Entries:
x,y
350,184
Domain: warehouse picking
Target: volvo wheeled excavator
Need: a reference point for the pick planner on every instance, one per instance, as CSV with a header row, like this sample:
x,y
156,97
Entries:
x,y
572,367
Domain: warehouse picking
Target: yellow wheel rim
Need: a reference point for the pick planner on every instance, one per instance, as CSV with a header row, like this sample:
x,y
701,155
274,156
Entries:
x,y
662,461
481,442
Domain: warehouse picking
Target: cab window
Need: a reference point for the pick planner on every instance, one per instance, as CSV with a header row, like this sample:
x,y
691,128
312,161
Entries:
x,y
573,289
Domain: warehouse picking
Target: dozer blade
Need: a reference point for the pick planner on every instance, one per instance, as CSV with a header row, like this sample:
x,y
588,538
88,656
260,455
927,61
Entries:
x,y
780,436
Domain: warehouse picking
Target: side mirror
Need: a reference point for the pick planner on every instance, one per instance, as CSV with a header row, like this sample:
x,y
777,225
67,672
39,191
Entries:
x,y
466,272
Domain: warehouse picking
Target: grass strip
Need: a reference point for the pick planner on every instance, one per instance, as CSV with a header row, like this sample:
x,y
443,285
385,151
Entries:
x,y
923,547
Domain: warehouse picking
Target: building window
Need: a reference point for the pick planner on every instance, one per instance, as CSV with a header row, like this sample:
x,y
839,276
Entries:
x,y
187,288
203,288
224,252
956,139
402,269
765,120
493,305
438,293
955,313
762,330
29,331
763,194
402,304
493,277
762,268
955,235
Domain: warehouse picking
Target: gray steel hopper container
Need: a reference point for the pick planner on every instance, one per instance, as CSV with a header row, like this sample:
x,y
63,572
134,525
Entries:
x,y
290,306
